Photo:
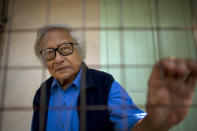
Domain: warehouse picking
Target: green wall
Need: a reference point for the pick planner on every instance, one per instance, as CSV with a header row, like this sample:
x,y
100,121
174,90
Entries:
x,y
129,52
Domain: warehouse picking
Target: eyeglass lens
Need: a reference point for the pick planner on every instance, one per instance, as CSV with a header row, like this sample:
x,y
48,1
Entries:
x,y
50,54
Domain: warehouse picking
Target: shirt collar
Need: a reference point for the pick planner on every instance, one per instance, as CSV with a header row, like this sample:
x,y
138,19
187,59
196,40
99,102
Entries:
x,y
76,82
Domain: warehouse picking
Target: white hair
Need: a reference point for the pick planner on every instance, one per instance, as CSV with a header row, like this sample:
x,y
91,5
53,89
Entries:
x,y
44,29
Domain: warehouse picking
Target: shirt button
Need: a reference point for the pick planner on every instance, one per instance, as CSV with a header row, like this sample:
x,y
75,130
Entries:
x,y
62,125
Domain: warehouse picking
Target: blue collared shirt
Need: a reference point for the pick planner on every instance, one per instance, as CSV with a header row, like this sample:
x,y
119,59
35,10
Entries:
x,y
63,115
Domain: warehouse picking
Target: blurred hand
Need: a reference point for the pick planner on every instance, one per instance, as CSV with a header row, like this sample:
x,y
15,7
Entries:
x,y
170,92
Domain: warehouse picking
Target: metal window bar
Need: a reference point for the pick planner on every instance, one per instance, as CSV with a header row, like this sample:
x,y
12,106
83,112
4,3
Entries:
x,y
4,72
42,107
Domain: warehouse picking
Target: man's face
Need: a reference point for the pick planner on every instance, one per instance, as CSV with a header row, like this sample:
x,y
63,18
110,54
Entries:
x,y
63,68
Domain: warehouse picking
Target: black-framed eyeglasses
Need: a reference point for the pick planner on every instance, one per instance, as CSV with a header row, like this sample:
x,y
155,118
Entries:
x,y
63,49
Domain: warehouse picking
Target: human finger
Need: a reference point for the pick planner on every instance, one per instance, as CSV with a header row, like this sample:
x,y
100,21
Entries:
x,y
156,75
175,71
192,76
169,67
182,70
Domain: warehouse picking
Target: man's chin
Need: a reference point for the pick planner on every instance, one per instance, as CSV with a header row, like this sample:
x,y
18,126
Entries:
x,y
63,77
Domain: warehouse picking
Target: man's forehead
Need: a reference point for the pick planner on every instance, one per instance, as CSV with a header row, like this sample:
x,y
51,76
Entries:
x,y
57,33
56,37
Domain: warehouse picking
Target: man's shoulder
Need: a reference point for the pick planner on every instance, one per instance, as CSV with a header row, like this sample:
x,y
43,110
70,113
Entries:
x,y
100,76
99,73
46,85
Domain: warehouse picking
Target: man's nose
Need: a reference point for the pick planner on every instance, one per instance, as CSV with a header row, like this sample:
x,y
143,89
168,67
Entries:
x,y
59,58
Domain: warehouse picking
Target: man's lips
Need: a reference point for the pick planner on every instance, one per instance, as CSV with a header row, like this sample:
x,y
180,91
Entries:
x,y
61,68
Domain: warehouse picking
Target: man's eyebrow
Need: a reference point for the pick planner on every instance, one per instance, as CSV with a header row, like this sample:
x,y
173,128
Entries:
x,y
64,42
58,44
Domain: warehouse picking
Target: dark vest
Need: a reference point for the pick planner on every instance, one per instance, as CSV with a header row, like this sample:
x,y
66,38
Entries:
x,y
92,102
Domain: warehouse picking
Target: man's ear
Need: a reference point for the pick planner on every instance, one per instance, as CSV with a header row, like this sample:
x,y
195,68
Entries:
x,y
43,63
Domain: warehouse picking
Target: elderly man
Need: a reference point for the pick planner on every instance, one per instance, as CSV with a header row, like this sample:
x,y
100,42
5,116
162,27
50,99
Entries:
x,y
78,98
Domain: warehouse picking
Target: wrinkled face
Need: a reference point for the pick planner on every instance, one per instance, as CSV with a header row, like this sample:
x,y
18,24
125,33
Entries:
x,y
63,68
